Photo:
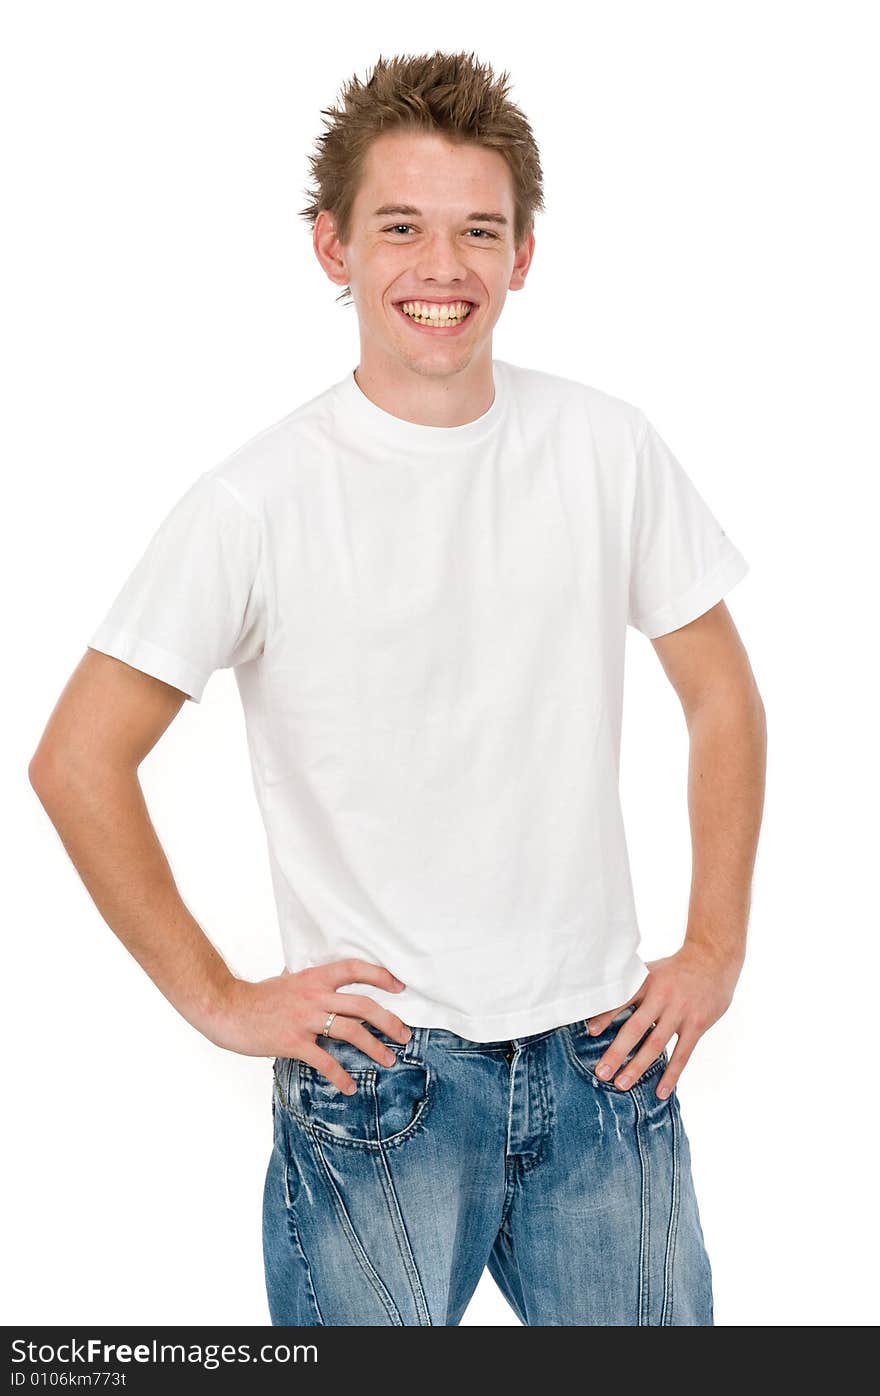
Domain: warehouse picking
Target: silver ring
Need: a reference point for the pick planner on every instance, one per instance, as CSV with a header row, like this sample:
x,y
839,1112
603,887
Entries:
x,y
330,1017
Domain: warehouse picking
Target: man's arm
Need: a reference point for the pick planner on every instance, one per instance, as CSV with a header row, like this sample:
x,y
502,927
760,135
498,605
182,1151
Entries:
x,y
108,718
685,993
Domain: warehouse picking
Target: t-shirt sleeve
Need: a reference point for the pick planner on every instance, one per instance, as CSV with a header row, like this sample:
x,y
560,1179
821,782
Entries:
x,y
681,561
194,601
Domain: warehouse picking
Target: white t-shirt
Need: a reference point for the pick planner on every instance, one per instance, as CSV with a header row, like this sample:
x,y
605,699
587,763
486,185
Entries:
x,y
427,626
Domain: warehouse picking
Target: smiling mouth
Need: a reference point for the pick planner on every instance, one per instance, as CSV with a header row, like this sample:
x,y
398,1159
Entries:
x,y
447,321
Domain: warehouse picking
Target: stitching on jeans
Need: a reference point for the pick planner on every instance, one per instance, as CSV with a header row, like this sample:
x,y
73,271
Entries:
x,y
284,1174
400,1233
546,1113
672,1232
511,1163
278,1092
290,1219
354,1240
369,1145
504,1269
570,1039
644,1236
296,1240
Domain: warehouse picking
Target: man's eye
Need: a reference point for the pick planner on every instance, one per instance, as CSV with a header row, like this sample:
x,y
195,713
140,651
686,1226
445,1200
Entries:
x,y
395,227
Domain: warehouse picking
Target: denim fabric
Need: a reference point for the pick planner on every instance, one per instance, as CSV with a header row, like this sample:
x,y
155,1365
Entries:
x,y
384,1207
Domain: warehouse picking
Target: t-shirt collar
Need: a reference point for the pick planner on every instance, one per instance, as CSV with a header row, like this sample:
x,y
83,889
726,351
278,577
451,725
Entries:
x,y
361,411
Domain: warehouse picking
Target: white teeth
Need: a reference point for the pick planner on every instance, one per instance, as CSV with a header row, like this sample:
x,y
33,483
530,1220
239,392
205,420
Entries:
x,y
423,312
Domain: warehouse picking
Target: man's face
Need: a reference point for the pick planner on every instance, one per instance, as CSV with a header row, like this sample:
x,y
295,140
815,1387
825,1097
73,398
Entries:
x,y
432,223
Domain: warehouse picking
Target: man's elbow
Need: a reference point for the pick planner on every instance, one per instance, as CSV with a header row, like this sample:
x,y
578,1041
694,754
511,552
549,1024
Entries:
x,y
48,771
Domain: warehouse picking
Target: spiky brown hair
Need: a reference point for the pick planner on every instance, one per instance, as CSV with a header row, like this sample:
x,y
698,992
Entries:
x,y
451,93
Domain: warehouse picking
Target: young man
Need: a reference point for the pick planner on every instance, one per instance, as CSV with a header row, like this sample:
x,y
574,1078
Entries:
x,y
422,578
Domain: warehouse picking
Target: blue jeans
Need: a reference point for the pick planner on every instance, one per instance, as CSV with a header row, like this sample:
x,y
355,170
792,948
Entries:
x,y
384,1207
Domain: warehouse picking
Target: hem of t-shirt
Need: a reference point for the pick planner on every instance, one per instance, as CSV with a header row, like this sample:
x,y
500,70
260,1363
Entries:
x,y
151,659
704,594
417,1011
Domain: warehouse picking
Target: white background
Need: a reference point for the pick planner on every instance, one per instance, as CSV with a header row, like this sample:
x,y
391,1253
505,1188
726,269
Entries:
x,y
709,253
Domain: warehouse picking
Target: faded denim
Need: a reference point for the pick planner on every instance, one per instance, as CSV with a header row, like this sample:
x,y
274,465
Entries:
x,y
386,1206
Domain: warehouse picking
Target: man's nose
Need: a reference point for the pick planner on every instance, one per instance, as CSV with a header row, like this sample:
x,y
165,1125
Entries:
x,y
440,262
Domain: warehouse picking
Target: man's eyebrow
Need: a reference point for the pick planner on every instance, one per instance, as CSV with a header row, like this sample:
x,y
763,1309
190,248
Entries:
x,y
411,212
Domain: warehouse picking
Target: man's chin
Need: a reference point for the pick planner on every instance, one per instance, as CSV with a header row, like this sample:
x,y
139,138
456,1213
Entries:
x,y
433,358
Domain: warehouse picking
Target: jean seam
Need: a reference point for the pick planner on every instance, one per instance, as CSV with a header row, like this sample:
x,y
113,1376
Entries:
x,y
400,1234
283,1147
296,1239
672,1232
353,1239
645,1226
286,1180
279,1127
547,1115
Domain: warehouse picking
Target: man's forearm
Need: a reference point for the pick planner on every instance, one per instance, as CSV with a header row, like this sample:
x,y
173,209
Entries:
x,y
686,992
102,820
726,777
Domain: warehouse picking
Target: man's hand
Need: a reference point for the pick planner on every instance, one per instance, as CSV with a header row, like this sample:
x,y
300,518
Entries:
x,y
285,1015
683,994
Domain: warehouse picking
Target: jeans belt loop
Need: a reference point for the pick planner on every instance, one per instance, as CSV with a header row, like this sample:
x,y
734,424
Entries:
x,y
414,1050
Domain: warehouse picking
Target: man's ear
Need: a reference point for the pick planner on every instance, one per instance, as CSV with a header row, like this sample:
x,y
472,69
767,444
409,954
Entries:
x,y
328,248
521,262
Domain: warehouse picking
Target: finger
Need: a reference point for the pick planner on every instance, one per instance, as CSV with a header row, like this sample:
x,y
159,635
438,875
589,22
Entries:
x,y
344,1029
328,1066
646,1056
354,971
364,1009
626,1038
600,1021
677,1063
347,1030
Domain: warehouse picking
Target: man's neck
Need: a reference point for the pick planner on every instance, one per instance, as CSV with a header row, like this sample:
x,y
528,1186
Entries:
x,y
429,399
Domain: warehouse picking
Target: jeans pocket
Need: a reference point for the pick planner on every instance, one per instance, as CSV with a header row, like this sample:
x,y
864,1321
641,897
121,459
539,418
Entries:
x,y
586,1051
387,1106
